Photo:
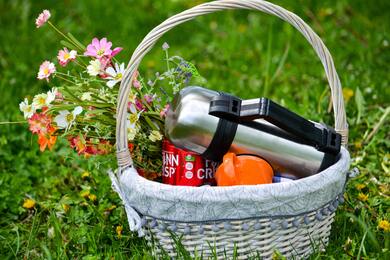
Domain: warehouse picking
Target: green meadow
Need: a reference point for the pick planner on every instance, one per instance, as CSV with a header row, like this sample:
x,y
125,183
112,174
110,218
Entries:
x,y
77,215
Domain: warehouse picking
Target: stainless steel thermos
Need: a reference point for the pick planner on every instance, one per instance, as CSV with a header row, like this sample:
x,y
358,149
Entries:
x,y
212,123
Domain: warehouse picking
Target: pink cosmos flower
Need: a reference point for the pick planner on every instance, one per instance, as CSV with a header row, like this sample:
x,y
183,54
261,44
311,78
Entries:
x,y
46,69
64,56
139,105
99,49
164,111
105,62
149,98
39,123
136,82
42,18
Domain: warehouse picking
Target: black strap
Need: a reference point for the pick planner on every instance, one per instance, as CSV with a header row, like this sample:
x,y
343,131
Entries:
x,y
222,140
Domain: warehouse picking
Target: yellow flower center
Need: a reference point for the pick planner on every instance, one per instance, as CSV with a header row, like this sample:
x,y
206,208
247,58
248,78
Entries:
x,y
46,71
118,76
69,118
133,118
42,101
100,52
66,56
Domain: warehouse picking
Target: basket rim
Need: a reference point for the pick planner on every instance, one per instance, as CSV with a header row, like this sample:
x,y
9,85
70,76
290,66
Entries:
x,y
186,203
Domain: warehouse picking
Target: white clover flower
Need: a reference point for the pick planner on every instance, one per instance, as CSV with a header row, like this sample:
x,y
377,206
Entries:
x,y
27,109
115,75
165,46
65,119
93,68
86,96
131,131
155,136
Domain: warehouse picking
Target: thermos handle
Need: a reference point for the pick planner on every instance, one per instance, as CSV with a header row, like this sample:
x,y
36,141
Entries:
x,y
232,108
123,154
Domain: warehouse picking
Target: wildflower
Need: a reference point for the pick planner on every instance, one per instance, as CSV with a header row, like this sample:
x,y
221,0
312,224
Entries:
x,y
50,232
64,56
165,46
92,197
347,94
362,196
139,105
119,230
65,119
39,101
65,207
149,98
86,96
51,96
85,175
360,186
29,203
47,139
132,122
39,123
115,75
164,111
46,69
78,143
94,68
42,18
27,109
132,98
85,194
155,136
105,62
136,82
99,49
150,83
384,225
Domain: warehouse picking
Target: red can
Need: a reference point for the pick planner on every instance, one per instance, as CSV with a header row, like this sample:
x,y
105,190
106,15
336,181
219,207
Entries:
x,y
185,168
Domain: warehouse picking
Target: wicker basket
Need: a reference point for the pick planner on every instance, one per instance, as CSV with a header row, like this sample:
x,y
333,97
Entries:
x,y
295,228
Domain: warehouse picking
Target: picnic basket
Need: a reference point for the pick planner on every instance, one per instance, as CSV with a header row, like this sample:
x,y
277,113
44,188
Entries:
x,y
293,218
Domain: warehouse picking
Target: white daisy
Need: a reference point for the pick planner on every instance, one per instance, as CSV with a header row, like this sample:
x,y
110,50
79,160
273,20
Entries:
x,y
51,95
115,75
132,122
40,101
27,109
93,68
65,119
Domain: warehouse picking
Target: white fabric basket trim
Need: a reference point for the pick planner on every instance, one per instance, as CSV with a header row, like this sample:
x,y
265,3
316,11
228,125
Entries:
x,y
194,204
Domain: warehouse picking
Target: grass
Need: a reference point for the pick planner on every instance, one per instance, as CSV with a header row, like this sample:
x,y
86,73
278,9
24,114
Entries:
x,y
246,53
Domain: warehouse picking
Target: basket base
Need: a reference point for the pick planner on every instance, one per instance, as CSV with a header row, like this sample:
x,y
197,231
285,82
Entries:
x,y
258,238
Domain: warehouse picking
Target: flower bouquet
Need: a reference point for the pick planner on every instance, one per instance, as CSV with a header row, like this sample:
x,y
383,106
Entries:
x,y
82,104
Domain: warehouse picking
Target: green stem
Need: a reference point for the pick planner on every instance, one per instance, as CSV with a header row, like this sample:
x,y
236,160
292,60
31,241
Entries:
x,y
64,79
16,122
63,35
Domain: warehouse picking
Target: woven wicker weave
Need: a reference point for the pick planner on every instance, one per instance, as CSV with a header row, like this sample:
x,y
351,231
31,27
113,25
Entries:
x,y
292,235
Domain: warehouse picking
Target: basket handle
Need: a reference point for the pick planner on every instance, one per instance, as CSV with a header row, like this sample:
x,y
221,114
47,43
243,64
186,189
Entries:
x,y
123,154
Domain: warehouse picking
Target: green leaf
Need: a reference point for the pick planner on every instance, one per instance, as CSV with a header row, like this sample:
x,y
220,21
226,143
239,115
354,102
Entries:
x,y
77,43
150,123
68,44
360,104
